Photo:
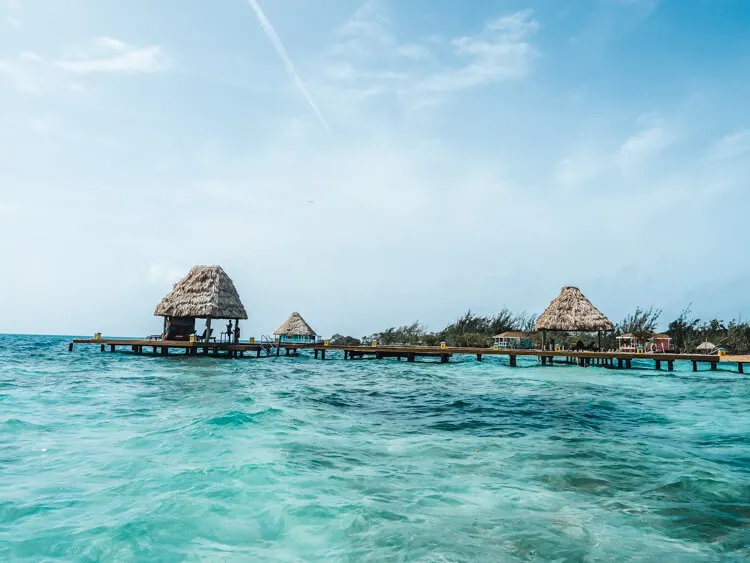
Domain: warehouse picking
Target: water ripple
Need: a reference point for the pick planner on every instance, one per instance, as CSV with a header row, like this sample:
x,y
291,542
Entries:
x,y
123,457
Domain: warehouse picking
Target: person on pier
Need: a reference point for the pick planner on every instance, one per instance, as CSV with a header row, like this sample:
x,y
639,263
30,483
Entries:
x,y
169,331
229,331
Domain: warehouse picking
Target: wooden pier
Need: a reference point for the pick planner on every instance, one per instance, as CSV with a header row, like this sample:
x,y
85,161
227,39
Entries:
x,y
166,347
613,360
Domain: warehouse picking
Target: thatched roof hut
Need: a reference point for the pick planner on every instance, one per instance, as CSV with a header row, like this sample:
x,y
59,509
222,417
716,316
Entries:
x,y
572,312
207,292
295,325
706,347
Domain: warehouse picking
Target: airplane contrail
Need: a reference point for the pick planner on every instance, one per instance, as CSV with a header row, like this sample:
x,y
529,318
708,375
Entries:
x,y
281,51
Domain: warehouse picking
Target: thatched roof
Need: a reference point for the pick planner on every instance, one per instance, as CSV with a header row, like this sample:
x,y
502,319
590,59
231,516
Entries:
x,y
705,346
206,292
513,334
295,325
572,312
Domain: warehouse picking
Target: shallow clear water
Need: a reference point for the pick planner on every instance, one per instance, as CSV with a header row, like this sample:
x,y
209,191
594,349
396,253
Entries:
x,y
118,457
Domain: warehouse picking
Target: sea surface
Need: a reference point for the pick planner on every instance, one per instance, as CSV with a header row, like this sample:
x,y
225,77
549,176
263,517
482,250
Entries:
x,y
117,457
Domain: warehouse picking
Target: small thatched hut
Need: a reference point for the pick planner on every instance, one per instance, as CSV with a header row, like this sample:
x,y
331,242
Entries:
x,y
706,347
206,292
295,329
571,311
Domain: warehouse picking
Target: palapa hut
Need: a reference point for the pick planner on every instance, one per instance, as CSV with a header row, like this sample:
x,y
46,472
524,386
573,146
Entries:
x,y
572,312
207,292
706,347
296,330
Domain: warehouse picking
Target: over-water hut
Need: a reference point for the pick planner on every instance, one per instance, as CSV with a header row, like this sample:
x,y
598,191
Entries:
x,y
206,292
571,311
296,330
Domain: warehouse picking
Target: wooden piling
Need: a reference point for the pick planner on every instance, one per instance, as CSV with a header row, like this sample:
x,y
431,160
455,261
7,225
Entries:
x,y
740,368
70,347
479,357
322,354
410,357
695,365
714,366
444,358
670,365
102,347
658,364
513,360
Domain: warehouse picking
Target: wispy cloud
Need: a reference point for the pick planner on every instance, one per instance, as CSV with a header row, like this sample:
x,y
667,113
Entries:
x,y
281,51
111,55
23,72
501,52
368,60
630,156
731,146
29,56
14,22
645,144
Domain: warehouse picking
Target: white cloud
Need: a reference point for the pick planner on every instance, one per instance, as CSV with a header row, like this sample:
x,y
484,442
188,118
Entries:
x,y
501,52
645,144
112,55
111,43
22,74
580,168
731,146
14,22
29,56
368,61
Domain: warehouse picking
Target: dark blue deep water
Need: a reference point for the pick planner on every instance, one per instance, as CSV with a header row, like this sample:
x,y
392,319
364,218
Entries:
x,y
114,457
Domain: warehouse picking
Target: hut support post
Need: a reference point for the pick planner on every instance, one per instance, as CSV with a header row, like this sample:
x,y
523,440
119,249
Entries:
x,y
544,340
599,339
740,368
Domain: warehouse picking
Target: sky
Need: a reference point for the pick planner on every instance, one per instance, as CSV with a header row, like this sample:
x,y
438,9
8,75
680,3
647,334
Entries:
x,y
372,163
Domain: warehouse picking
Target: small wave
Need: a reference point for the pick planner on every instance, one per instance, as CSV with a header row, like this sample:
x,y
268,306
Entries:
x,y
16,425
237,418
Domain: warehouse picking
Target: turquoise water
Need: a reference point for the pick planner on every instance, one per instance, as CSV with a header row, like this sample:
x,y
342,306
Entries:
x,y
114,457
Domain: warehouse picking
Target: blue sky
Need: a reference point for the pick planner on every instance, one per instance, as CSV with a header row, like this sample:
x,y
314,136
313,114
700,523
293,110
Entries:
x,y
402,160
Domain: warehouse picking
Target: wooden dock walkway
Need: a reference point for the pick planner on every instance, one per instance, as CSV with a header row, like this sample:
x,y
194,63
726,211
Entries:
x,y
613,359
163,347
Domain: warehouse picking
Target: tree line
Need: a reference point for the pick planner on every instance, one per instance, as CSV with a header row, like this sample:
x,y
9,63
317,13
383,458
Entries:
x,y
472,330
